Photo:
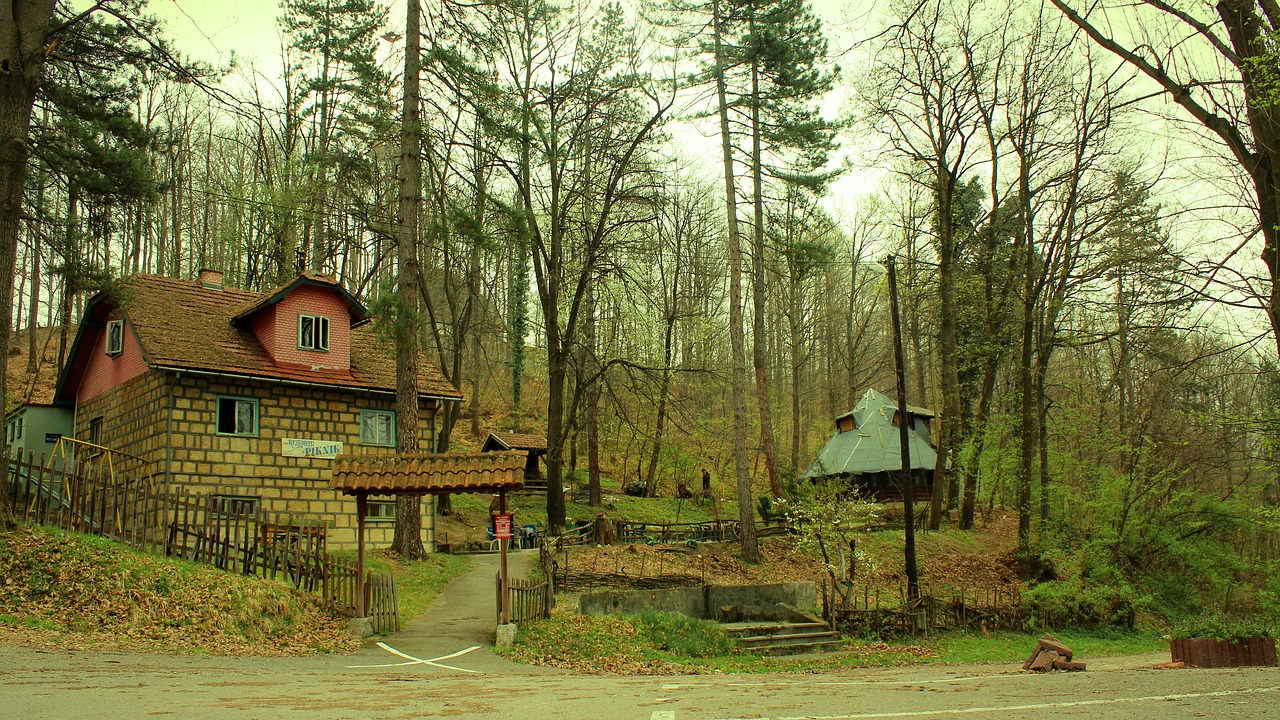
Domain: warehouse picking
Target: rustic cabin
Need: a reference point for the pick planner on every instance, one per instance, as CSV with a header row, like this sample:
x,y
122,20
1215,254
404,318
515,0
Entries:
x,y
866,450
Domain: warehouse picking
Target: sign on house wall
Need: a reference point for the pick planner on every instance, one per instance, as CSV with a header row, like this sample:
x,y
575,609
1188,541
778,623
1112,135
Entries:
x,y
303,447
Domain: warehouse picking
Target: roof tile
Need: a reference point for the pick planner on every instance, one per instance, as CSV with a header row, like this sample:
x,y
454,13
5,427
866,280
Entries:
x,y
520,441
428,473
182,324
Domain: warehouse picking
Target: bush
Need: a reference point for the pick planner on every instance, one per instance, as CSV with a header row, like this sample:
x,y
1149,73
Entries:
x,y
1221,626
684,636
1075,603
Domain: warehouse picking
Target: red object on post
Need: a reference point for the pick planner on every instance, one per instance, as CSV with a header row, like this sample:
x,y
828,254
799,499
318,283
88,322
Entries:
x,y
502,527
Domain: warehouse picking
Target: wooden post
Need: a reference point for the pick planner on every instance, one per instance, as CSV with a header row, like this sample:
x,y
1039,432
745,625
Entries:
x,y
908,489
502,549
362,500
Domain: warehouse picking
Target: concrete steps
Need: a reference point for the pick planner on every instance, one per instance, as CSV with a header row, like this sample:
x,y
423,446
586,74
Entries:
x,y
785,638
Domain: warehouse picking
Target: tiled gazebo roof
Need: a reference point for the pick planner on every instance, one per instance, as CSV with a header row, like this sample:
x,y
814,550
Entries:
x,y
428,473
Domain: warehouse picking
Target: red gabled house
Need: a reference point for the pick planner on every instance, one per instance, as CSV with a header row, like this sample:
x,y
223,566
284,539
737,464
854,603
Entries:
x,y
250,395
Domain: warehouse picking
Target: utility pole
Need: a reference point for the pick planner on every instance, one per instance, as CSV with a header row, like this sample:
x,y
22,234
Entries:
x,y
904,438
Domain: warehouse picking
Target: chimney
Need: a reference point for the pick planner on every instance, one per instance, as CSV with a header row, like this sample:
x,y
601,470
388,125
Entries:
x,y
211,279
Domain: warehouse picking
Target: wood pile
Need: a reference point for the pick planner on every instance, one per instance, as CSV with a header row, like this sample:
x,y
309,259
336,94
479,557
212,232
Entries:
x,y
1051,655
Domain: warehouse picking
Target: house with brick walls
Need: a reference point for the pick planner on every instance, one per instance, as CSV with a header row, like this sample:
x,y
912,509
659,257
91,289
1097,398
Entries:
x,y
248,395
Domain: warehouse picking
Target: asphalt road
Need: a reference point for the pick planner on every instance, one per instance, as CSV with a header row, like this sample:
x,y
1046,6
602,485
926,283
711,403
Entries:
x,y
442,666
378,683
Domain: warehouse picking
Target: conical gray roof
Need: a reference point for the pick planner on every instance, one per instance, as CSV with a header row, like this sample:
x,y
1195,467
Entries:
x,y
874,445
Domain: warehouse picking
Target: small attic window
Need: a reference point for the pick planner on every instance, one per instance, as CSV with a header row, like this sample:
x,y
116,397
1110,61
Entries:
x,y
115,337
313,332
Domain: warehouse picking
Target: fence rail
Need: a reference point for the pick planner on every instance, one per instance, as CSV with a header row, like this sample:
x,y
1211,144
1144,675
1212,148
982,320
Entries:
x,y
213,528
880,612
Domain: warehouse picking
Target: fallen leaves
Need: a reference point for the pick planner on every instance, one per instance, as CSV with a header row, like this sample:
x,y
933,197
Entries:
x,y
96,591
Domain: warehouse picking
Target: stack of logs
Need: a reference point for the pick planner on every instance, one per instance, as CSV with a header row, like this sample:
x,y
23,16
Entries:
x,y
1051,655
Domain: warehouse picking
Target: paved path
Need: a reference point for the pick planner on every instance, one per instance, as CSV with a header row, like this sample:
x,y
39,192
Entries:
x,y
459,625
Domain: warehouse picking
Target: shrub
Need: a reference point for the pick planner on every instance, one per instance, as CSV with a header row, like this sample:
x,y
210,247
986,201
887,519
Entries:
x,y
1216,624
684,636
1082,604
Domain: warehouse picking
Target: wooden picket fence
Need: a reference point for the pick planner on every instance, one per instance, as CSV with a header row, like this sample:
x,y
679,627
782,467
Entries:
x,y
527,600
219,529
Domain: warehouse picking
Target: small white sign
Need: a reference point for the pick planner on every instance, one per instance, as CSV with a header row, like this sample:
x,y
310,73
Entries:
x,y
301,447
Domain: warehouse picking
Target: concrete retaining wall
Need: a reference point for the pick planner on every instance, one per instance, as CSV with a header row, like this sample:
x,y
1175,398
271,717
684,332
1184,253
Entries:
x,y
709,602
738,603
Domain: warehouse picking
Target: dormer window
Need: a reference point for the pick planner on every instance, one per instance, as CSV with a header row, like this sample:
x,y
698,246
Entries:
x,y
115,337
313,332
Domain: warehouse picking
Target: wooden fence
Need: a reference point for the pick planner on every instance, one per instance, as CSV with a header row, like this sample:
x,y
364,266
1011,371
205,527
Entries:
x,y
527,600
219,529
888,613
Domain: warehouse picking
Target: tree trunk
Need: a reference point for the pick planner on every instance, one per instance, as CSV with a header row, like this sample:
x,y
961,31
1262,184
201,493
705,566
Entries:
x,y
949,420
594,496
23,29
979,442
407,540
33,304
1027,422
758,338
746,511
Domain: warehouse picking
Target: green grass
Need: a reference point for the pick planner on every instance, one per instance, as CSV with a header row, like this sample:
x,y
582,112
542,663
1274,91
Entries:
x,y
1016,647
417,582
656,643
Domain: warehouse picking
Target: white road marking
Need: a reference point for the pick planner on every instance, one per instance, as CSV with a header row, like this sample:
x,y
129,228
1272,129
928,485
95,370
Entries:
x,y
419,661
1014,708
670,687
662,715
882,683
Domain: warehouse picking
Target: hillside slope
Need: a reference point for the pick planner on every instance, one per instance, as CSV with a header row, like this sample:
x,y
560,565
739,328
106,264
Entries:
x,y
74,590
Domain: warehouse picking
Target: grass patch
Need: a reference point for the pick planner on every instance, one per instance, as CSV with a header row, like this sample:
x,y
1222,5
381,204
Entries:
x,y
70,583
418,582
666,644
685,636
532,509
1015,647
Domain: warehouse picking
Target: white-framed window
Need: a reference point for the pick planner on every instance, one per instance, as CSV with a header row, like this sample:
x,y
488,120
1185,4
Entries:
x,y
313,332
115,337
378,427
237,416
380,511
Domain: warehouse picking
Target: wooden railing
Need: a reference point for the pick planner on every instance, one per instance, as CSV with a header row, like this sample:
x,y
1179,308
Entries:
x,y
213,528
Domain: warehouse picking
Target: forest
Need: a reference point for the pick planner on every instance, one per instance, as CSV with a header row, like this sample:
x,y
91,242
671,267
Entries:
x,y
628,224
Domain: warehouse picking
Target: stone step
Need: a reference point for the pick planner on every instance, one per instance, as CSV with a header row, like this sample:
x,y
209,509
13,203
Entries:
x,y
773,628
788,639
800,648
779,638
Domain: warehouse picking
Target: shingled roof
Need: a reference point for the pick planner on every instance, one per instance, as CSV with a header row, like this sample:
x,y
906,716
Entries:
x,y
182,325
874,446
497,440
359,314
428,473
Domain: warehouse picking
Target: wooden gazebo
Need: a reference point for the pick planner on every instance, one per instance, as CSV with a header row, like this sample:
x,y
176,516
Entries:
x,y
426,474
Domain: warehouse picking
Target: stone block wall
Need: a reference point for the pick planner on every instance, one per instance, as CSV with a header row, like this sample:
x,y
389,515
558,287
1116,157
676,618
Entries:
x,y
136,420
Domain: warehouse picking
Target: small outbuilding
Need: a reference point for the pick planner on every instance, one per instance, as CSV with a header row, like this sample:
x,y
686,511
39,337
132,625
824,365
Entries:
x,y
866,450
534,446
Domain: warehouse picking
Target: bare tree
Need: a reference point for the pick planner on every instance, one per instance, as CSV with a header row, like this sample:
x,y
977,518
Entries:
x,y
1232,95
